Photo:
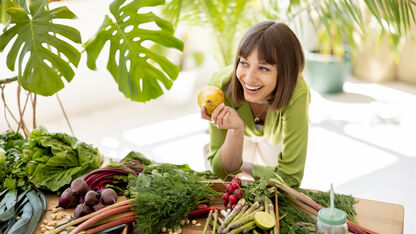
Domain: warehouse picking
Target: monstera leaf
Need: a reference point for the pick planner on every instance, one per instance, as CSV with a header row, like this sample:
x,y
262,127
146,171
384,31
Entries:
x,y
137,69
36,39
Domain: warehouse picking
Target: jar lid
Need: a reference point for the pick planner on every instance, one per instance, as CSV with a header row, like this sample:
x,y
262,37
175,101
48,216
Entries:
x,y
332,217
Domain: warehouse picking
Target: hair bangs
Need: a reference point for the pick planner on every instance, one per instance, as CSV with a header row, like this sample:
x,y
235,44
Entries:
x,y
264,53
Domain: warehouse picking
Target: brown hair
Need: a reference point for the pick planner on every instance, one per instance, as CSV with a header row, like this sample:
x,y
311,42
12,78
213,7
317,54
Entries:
x,y
277,45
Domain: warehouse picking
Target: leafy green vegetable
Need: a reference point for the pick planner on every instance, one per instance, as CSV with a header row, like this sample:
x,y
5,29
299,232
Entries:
x,y
138,71
35,33
29,205
133,155
185,168
13,170
164,196
57,158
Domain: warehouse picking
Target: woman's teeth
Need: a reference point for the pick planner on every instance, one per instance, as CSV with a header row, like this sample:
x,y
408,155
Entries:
x,y
253,88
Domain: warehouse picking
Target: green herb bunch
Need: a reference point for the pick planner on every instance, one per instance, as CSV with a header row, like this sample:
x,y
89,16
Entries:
x,y
13,170
165,195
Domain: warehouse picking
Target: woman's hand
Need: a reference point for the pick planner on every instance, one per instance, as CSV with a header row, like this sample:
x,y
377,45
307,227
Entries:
x,y
224,117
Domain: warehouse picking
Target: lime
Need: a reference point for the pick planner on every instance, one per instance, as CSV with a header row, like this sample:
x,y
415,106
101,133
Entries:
x,y
264,220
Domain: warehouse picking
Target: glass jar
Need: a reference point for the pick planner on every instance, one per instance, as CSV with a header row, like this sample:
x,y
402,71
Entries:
x,y
332,221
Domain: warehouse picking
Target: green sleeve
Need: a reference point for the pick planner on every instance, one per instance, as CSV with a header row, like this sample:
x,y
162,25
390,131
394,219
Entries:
x,y
291,161
217,138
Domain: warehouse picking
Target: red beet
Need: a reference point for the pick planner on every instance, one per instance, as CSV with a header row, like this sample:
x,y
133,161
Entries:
x,y
108,196
79,187
68,199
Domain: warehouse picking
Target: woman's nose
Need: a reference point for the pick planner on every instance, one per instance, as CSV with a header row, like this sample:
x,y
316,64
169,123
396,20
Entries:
x,y
250,74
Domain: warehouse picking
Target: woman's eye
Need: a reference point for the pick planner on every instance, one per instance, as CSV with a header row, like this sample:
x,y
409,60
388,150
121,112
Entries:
x,y
264,69
243,63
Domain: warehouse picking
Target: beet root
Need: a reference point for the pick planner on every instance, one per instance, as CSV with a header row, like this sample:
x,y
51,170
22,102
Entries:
x,y
91,198
81,210
79,187
68,199
98,206
108,196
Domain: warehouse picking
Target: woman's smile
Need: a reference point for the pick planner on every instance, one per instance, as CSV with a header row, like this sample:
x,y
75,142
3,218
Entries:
x,y
257,78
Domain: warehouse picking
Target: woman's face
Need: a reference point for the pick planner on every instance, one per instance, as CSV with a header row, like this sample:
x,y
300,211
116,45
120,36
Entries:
x,y
257,78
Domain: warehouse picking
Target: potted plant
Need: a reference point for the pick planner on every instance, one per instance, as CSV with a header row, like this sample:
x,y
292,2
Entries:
x,y
45,52
338,25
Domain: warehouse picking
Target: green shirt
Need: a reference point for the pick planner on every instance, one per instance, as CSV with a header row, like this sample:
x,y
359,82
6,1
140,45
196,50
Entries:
x,y
289,126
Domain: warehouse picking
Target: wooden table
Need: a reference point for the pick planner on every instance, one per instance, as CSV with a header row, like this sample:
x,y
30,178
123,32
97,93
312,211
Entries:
x,y
381,217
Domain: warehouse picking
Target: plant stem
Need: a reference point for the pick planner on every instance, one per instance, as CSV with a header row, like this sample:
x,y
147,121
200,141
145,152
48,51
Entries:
x,y
100,216
102,227
33,100
8,80
6,107
65,115
245,228
214,227
276,211
207,222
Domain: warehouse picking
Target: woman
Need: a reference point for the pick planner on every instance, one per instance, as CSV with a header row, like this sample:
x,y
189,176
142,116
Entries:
x,y
263,127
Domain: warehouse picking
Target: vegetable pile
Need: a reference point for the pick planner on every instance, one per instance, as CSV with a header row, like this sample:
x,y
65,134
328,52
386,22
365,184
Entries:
x,y
164,196
85,199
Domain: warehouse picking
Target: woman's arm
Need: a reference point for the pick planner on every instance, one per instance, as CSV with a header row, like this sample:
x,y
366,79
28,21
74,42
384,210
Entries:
x,y
229,148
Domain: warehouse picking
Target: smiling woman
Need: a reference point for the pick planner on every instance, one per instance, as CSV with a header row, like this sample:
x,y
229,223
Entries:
x,y
262,128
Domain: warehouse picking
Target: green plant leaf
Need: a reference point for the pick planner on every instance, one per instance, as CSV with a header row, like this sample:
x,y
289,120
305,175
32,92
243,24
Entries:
x,y
137,69
35,36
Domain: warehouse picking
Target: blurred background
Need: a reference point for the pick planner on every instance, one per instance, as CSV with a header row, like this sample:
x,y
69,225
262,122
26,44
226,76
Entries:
x,y
360,67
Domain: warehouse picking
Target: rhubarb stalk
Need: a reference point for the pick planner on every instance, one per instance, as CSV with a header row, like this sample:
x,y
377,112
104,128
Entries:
x,y
100,216
83,218
102,227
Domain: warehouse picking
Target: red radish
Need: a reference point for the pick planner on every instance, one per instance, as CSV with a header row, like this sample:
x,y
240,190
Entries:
x,y
238,193
225,203
226,196
229,188
233,206
236,181
230,205
233,199
234,185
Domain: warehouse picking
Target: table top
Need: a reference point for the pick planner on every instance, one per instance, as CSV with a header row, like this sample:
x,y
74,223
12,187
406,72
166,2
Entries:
x,y
381,217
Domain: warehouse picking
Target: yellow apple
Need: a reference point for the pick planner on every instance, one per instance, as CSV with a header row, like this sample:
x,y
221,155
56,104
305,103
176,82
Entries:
x,y
210,97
